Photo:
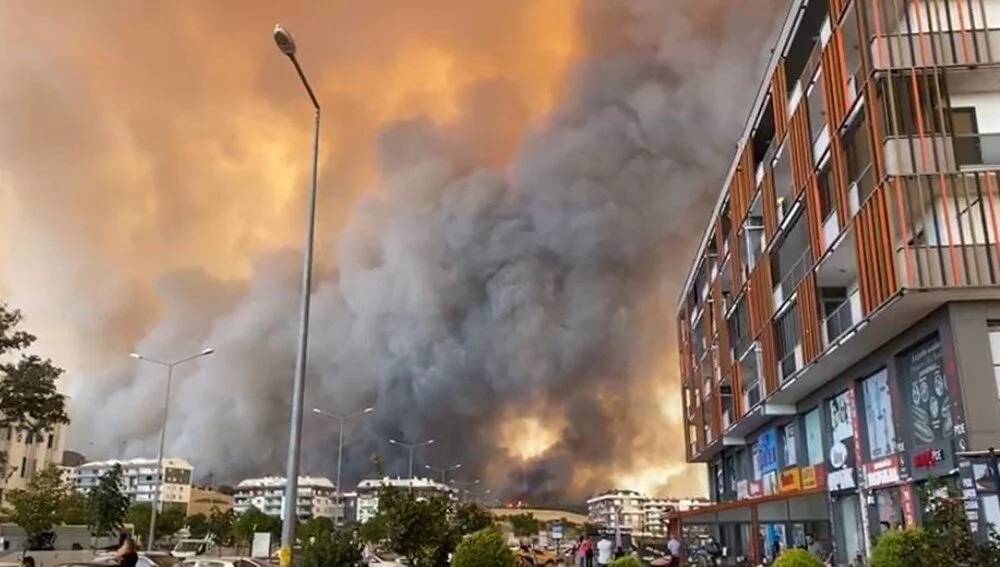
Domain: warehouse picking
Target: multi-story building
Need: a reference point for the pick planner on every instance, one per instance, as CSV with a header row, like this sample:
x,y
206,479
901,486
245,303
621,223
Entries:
x,y
139,479
635,513
618,509
840,327
26,454
366,496
315,497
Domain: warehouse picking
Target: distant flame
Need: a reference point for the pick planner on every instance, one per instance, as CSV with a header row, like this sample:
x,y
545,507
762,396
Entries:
x,y
528,438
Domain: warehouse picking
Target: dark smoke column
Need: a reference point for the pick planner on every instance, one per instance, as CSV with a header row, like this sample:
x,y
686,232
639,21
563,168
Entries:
x,y
287,46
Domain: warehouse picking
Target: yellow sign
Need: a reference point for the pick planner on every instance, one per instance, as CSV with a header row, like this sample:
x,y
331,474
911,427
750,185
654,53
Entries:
x,y
813,477
791,481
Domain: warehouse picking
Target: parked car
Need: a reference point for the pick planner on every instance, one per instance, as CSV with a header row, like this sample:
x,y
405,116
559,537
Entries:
x,y
187,548
146,559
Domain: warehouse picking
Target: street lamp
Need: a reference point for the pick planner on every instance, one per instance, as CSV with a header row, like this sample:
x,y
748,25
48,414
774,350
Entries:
x,y
287,46
411,447
163,430
444,471
340,444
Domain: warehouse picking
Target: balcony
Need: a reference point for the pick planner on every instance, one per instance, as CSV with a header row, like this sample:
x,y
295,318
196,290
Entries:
x,y
942,48
977,151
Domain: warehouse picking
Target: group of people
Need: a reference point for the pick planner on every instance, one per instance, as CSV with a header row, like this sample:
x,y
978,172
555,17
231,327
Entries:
x,y
590,554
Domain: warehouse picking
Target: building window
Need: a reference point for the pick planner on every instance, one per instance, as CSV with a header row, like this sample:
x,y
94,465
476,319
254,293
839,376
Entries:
x,y
787,335
753,234
994,328
52,440
878,415
814,102
791,260
783,183
739,331
790,434
814,437
857,146
827,190
750,377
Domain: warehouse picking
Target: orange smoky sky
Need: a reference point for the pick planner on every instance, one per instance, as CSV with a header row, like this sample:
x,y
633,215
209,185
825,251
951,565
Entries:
x,y
509,193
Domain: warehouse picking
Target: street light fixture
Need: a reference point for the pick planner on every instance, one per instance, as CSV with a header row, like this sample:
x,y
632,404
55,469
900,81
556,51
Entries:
x,y
464,486
163,430
411,447
444,470
287,46
340,445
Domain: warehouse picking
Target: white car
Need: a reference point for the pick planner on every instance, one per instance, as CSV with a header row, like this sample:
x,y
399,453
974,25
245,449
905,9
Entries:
x,y
225,562
146,559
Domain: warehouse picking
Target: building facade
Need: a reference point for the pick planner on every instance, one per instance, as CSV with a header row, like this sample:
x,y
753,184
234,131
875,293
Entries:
x,y
315,498
139,479
840,327
635,513
28,454
366,495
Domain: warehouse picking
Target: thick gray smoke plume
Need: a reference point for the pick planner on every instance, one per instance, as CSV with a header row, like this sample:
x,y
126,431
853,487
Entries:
x,y
465,298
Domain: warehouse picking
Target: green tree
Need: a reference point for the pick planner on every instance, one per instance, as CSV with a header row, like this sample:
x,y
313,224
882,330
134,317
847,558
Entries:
x,y
333,547
74,511
794,558
315,529
253,521
630,562
29,399
139,516
37,508
220,526
171,520
469,517
417,528
484,548
524,525
197,524
107,506
900,547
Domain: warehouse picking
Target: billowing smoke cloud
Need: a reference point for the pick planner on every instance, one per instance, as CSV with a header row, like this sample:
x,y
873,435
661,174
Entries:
x,y
506,288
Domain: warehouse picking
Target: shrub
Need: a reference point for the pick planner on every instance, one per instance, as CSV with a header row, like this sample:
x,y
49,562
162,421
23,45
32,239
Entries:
x,y
896,547
626,562
485,548
797,558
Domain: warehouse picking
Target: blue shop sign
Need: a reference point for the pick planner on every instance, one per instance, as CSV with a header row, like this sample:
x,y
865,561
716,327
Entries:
x,y
769,451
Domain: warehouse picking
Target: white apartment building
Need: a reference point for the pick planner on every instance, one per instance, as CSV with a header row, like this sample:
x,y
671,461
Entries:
x,y
139,478
367,493
636,513
315,496
28,454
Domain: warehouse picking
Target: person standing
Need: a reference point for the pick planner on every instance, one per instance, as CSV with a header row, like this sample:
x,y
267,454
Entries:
x,y
674,547
127,556
604,551
584,551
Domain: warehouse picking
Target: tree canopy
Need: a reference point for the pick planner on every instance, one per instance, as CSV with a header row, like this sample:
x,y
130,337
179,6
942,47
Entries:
x,y
38,508
29,399
107,505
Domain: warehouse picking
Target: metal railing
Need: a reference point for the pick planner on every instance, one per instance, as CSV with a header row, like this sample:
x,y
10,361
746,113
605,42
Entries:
x,y
787,364
977,149
795,273
839,321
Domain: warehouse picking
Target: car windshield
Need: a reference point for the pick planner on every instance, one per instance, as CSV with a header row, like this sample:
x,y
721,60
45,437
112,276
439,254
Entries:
x,y
188,545
162,560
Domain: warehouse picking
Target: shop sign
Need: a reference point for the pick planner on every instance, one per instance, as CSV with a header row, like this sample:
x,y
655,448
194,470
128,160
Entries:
x,y
882,472
756,489
843,453
906,496
771,483
742,490
791,481
812,477
928,458
768,451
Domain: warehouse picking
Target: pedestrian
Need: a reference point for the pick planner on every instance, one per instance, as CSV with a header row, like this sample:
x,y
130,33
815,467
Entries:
x,y
674,546
28,561
582,550
126,555
604,554
619,553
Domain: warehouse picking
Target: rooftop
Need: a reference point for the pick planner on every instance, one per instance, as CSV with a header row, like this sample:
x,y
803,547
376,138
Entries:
x,y
138,462
404,483
279,481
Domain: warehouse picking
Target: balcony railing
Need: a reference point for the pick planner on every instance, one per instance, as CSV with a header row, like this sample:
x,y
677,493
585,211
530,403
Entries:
x,y
794,274
977,149
838,321
787,364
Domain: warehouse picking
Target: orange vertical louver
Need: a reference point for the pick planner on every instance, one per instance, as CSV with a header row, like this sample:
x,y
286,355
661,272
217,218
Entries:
x,y
809,324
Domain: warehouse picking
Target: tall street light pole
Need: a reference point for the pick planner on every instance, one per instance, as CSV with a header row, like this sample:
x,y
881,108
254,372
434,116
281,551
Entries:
x,y
443,471
287,46
340,444
411,447
163,432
